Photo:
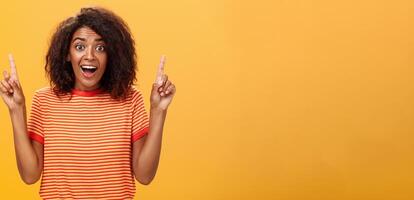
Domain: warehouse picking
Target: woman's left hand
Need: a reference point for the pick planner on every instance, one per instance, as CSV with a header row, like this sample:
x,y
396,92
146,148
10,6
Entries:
x,y
163,90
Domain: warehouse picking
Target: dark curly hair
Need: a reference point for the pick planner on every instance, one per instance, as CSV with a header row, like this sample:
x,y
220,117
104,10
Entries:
x,y
119,74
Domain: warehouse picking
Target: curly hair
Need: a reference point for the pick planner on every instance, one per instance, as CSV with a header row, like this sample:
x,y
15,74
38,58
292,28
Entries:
x,y
121,66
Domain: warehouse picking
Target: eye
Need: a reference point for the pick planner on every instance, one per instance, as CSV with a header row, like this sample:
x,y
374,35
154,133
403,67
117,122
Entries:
x,y
100,48
79,47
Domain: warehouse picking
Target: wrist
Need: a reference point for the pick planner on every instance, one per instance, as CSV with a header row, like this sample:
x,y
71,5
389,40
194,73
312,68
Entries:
x,y
158,111
17,109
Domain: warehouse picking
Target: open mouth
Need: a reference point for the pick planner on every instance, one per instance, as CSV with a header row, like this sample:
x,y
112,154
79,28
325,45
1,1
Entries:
x,y
88,70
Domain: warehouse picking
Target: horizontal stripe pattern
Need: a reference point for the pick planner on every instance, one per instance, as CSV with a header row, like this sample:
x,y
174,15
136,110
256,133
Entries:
x,y
87,143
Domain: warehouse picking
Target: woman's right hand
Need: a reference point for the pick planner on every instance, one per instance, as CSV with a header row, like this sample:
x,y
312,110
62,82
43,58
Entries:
x,y
10,88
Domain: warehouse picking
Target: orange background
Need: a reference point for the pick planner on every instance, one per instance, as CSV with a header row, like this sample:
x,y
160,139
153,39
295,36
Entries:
x,y
276,99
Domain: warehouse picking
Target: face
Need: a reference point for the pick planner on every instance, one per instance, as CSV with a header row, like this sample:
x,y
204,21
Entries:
x,y
88,56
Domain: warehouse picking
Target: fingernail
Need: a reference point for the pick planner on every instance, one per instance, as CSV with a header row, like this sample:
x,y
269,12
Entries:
x,y
162,93
167,92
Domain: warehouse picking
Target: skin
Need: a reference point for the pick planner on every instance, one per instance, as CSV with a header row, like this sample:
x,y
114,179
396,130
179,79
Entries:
x,y
87,48
29,154
146,151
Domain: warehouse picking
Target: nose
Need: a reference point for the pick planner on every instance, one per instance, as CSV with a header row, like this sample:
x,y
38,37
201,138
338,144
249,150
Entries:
x,y
89,54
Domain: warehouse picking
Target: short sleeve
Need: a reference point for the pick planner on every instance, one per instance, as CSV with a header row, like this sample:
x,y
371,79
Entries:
x,y
140,122
35,121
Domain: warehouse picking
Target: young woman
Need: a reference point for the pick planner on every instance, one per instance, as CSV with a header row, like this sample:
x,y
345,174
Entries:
x,y
88,134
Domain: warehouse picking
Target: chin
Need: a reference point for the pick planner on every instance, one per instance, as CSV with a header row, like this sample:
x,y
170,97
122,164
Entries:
x,y
88,85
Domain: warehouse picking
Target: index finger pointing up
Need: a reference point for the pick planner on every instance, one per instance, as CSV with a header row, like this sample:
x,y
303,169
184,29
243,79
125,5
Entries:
x,y
13,70
160,70
161,65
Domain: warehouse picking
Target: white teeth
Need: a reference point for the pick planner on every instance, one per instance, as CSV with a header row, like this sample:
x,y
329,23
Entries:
x,y
88,67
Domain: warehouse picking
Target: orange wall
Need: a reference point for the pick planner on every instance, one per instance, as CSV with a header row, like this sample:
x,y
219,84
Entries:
x,y
281,99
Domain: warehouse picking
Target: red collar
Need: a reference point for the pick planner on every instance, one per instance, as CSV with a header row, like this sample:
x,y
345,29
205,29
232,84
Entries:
x,y
86,93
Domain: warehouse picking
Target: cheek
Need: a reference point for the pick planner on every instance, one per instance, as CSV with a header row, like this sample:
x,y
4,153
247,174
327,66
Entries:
x,y
103,60
74,57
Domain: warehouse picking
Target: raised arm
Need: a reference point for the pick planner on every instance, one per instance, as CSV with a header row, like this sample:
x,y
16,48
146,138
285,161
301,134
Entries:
x,y
146,151
29,154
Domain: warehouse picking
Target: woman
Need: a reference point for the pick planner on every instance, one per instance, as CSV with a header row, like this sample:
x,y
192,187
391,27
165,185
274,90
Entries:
x,y
88,134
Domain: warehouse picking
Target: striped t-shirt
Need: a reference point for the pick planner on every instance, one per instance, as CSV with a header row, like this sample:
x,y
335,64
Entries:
x,y
87,143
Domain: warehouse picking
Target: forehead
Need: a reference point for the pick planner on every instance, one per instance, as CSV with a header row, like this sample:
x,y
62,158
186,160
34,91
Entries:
x,y
86,33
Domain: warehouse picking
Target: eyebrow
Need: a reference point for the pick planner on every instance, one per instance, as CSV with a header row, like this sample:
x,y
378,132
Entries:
x,y
83,39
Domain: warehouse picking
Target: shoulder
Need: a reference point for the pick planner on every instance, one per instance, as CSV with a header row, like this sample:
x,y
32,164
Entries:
x,y
134,92
39,96
44,93
135,96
